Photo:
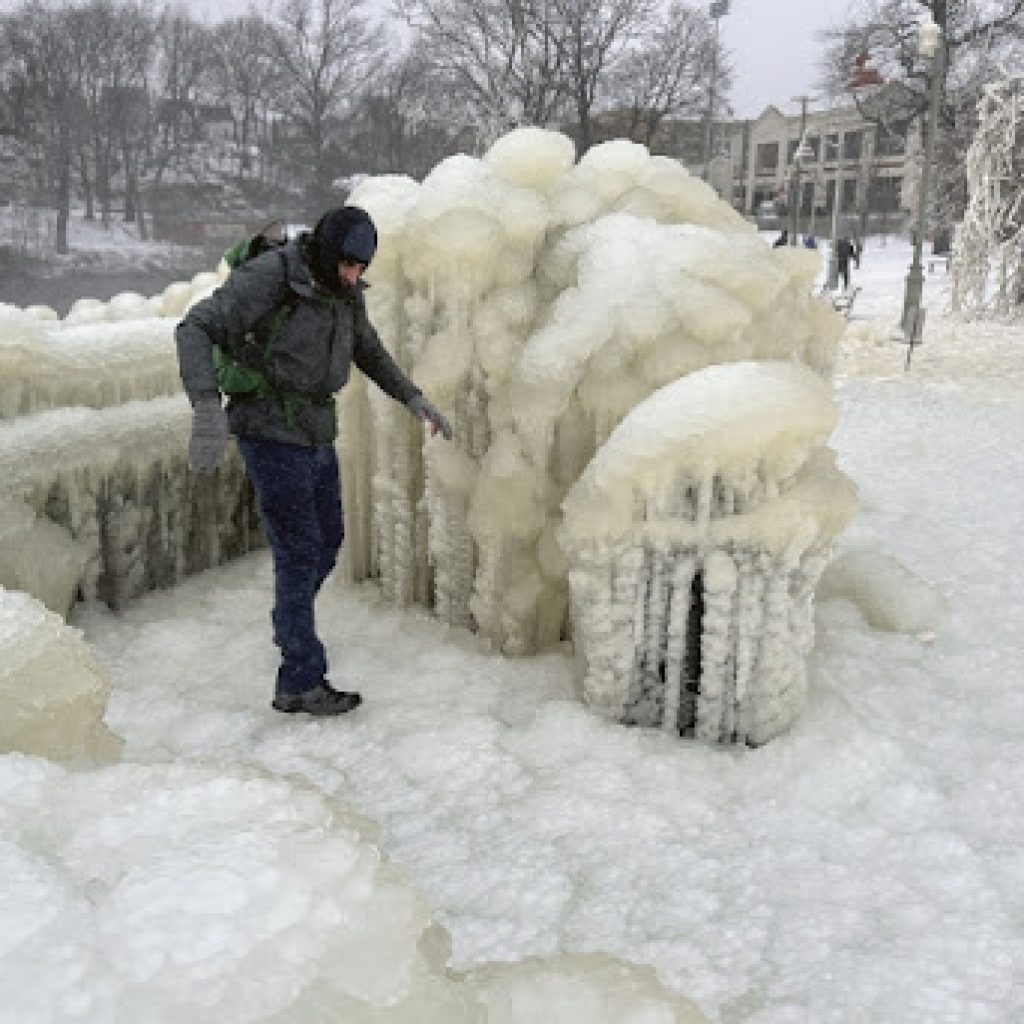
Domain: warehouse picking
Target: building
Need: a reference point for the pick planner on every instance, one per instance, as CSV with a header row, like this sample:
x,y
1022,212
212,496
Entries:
x,y
872,169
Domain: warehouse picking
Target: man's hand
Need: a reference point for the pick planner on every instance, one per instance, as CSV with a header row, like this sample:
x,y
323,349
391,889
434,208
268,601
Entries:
x,y
209,434
425,410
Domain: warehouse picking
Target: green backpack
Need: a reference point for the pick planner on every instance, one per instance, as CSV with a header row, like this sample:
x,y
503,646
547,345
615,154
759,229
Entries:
x,y
240,375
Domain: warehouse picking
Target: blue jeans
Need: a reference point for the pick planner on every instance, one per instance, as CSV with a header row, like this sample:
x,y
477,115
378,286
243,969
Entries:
x,y
298,493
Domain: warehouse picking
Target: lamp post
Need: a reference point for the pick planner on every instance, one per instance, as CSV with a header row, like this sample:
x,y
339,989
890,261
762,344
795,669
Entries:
x,y
832,282
929,46
800,154
717,10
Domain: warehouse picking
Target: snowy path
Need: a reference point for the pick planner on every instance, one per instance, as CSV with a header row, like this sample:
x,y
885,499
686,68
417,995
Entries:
x,y
868,866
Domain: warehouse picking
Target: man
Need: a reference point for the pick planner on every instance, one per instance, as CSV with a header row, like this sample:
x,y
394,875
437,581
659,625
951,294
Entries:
x,y
844,252
312,289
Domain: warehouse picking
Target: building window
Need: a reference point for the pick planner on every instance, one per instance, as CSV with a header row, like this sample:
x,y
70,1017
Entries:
x,y
791,151
767,157
853,144
814,145
891,140
884,195
849,196
832,146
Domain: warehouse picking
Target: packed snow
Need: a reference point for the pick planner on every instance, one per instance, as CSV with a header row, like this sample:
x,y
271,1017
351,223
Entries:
x,y
865,865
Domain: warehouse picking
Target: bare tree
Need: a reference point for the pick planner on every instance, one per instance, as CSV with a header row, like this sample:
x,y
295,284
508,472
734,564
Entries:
x,y
978,36
246,76
592,35
406,123
183,71
43,70
329,53
666,73
499,61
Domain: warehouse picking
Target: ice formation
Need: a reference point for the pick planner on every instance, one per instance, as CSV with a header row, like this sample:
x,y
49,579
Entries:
x,y
695,538
96,499
988,247
186,895
888,594
117,480
539,301
52,691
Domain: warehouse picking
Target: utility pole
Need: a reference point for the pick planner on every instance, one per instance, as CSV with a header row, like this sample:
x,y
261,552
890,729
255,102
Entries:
x,y
794,205
717,10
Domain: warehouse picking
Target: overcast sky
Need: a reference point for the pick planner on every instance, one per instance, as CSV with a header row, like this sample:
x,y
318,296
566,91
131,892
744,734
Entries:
x,y
772,42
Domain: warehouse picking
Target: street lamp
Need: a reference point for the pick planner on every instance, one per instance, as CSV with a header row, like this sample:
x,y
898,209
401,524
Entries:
x,y
801,155
929,46
717,10
832,282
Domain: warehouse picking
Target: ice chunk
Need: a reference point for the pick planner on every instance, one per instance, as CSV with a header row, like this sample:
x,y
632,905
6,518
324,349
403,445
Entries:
x,y
888,594
39,557
52,690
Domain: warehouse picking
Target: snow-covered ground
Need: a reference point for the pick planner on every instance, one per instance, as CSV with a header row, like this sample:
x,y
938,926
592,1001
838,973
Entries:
x,y
91,244
868,866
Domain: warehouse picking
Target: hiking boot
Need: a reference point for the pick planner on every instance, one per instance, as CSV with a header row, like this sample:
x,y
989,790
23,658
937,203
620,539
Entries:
x,y
321,700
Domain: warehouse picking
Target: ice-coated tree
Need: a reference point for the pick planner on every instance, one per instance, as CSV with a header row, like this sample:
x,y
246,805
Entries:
x,y
988,249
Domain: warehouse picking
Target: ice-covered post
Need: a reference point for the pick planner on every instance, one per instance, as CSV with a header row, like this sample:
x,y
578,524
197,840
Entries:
x,y
929,39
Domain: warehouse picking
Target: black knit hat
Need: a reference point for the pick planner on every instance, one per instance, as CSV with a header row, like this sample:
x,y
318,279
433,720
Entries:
x,y
346,232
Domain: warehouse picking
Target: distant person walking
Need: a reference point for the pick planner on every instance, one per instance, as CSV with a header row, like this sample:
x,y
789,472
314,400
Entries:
x,y
782,240
844,252
310,291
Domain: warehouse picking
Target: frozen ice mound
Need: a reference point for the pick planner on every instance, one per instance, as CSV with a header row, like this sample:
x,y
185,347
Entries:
x,y
695,538
542,302
887,593
186,895
52,690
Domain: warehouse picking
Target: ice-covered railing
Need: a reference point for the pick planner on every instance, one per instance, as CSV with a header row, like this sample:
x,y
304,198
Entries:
x,y
695,538
538,301
117,481
102,353
96,499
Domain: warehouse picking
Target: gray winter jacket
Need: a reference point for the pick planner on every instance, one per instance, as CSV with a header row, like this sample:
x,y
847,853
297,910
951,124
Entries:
x,y
310,355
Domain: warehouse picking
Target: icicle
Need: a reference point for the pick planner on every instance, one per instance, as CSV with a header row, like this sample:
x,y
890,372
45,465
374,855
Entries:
x,y
750,610
675,641
716,682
